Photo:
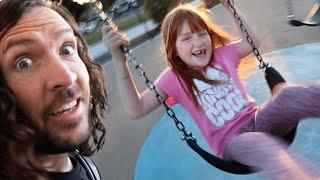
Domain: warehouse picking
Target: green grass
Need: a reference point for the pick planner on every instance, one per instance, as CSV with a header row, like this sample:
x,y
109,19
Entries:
x,y
131,22
97,36
93,37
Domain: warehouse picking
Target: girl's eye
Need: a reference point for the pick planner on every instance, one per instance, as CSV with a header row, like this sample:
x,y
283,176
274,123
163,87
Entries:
x,y
186,38
203,33
67,50
23,63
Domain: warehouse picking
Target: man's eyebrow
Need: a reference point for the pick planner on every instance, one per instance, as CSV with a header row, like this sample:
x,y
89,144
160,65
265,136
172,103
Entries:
x,y
62,32
17,42
27,41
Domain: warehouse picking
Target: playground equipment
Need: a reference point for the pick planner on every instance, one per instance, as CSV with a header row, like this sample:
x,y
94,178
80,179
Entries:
x,y
312,19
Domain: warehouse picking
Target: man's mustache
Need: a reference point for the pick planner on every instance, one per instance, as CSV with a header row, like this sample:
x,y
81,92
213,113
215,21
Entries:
x,y
71,93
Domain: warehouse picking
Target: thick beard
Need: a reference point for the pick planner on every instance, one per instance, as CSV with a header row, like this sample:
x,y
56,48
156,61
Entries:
x,y
47,143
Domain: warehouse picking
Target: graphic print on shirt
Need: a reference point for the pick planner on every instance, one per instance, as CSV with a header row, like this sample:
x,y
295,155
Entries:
x,y
220,102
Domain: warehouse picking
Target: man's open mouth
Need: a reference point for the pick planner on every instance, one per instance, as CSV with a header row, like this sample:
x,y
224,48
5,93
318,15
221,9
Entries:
x,y
66,108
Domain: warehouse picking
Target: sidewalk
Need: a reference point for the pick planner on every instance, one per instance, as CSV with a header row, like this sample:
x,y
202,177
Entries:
x,y
136,34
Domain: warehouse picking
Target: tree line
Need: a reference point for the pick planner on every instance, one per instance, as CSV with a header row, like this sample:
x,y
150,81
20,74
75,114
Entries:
x,y
156,10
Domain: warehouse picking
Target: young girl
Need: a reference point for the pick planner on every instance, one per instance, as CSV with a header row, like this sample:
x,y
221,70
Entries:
x,y
202,77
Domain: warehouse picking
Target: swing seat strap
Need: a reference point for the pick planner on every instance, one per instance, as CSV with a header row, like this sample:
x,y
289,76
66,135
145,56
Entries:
x,y
273,77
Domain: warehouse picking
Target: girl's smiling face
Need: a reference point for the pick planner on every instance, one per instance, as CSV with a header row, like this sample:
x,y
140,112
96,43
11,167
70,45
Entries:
x,y
193,48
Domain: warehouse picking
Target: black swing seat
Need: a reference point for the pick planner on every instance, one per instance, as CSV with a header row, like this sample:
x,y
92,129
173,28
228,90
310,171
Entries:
x,y
273,78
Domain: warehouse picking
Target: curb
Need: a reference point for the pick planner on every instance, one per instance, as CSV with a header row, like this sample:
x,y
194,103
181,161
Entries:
x,y
134,43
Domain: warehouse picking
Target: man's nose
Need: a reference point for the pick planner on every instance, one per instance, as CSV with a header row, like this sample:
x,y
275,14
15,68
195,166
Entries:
x,y
60,74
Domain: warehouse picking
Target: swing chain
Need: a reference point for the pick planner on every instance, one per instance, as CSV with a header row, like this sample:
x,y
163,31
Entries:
x,y
290,9
170,112
262,64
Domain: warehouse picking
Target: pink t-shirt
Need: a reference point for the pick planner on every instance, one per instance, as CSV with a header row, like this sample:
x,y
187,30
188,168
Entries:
x,y
226,107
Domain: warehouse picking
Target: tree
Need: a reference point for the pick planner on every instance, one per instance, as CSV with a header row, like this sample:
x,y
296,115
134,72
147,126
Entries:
x,y
80,12
157,10
107,4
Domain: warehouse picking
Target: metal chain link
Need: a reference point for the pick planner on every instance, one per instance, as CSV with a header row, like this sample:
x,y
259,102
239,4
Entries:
x,y
290,9
170,112
262,64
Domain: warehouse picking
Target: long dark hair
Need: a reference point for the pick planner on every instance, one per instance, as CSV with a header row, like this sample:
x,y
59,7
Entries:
x,y
17,139
197,19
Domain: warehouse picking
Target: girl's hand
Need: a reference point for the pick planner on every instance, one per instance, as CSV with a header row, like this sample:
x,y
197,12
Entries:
x,y
114,40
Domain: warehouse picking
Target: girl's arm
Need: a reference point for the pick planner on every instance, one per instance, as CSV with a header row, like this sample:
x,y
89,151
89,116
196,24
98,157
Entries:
x,y
135,104
243,46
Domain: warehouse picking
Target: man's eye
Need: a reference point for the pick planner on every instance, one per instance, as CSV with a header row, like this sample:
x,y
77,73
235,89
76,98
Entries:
x,y
23,63
67,50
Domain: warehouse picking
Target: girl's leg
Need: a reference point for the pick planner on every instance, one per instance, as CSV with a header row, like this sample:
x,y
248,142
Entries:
x,y
284,111
265,152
